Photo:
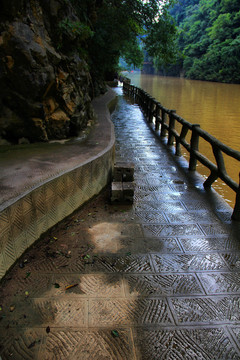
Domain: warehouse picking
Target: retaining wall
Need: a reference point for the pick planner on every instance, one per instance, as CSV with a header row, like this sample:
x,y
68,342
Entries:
x,y
30,215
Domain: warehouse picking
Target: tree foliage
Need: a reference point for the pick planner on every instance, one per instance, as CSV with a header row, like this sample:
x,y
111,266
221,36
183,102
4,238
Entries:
x,y
108,29
209,39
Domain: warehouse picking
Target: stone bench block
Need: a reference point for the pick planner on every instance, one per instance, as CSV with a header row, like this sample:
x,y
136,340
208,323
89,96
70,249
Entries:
x,y
123,171
117,192
122,192
128,192
128,189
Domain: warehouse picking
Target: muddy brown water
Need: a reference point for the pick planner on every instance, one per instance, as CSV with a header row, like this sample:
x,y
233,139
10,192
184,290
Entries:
x,y
215,106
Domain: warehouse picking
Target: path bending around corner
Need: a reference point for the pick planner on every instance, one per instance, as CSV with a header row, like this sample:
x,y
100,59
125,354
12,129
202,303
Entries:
x,y
155,280
26,167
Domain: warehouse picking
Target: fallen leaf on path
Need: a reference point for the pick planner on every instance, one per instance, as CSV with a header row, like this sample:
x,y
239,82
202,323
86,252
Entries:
x,y
27,274
70,286
115,333
32,344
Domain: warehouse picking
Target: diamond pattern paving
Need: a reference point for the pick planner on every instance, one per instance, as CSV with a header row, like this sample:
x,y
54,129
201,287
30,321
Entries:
x,y
155,280
129,312
158,285
216,283
185,344
188,262
207,310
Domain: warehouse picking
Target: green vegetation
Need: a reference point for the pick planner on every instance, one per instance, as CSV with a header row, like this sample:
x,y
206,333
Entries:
x,y
209,39
107,29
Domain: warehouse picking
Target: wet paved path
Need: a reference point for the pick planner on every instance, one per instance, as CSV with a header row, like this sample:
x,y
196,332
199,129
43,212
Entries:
x,y
156,280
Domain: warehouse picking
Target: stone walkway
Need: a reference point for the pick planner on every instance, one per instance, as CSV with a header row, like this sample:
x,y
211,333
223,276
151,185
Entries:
x,y
156,280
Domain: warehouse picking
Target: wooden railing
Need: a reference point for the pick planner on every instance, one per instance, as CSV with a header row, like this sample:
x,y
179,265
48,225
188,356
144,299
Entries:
x,y
164,121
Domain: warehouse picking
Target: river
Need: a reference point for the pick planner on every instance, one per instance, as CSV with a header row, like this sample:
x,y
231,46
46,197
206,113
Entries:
x,y
215,106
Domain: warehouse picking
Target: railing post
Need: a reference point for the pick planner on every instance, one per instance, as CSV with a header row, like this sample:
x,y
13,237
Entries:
x,y
210,180
163,125
236,211
145,104
137,95
150,114
157,123
148,107
171,127
194,144
182,136
142,100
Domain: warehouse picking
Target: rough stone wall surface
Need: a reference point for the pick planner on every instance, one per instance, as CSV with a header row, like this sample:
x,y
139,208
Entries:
x,y
44,90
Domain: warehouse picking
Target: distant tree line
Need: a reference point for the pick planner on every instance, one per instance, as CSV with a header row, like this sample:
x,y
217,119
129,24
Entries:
x,y
208,44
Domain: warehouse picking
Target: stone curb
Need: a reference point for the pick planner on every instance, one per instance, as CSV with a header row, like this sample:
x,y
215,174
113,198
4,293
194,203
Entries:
x,y
26,217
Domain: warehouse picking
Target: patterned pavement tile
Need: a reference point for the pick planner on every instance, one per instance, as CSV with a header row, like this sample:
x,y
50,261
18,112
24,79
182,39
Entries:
x,y
162,285
141,198
171,230
171,207
21,344
129,245
88,344
26,280
146,187
54,262
43,312
200,217
196,205
151,217
215,283
61,312
233,260
129,311
225,216
215,229
87,285
127,263
235,329
160,245
187,262
146,245
209,244
185,344
207,310
168,196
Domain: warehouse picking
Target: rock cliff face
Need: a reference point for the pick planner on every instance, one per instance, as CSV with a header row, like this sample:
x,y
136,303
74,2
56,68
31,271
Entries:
x,y
45,88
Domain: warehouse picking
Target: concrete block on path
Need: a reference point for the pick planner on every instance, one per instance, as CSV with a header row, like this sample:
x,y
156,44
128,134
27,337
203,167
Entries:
x,y
128,192
123,171
117,192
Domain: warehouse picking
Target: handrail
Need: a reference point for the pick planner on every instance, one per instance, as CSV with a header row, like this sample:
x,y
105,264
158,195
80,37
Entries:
x,y
152,109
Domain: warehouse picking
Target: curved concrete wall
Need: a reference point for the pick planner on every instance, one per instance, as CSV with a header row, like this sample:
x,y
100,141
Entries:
x,y
29,216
